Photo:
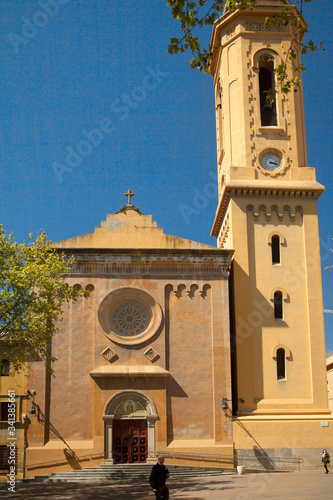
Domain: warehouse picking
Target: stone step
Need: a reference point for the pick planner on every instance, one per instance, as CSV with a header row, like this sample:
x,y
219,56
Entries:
x,y
178,473
119,472
141,469
115,473
134,475
94,479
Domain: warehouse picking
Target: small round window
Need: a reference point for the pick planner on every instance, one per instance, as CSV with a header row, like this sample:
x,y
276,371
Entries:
x,y
129,316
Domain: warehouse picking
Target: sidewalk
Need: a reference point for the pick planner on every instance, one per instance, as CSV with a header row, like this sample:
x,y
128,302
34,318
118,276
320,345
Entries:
x,y
286,485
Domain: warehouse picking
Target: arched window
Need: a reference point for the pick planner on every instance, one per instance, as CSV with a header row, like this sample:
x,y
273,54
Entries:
x,y
266,84
281,364
276,249
278,305
4,368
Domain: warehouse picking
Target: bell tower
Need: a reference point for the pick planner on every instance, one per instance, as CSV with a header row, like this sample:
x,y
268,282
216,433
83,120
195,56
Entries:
x,y
267,213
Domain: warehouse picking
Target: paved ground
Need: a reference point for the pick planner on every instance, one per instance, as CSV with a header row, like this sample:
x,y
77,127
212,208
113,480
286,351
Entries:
x,y
287,485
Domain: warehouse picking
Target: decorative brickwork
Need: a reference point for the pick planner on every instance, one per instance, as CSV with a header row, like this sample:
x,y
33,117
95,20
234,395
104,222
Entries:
x,y
260,27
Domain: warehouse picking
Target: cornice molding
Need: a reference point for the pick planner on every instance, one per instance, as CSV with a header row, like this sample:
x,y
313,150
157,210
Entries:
x,y
236,189
214,265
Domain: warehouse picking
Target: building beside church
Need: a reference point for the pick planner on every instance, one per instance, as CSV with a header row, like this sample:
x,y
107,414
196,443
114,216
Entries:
x,y
186,348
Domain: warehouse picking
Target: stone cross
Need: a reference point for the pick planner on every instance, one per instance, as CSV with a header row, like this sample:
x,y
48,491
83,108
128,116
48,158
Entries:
x,y
129,195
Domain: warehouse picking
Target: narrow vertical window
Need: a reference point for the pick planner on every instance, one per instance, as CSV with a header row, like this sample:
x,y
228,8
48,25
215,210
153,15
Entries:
x,y
278,305
276,249
219,131
267,84
281,364
4,368
4,412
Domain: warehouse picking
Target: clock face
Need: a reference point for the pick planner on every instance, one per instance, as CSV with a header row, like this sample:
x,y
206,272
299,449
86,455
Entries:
x,y
270,162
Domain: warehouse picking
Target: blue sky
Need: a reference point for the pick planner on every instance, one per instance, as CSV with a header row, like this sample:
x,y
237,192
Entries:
x,y
82,68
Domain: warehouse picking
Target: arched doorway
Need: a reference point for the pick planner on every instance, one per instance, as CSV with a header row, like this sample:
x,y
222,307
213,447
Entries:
x,y
130,418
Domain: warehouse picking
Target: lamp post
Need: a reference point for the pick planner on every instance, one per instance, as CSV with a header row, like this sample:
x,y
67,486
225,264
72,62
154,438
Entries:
x,y
32,410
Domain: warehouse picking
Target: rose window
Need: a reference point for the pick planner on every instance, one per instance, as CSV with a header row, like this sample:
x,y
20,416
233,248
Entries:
x,y
129,316
129,319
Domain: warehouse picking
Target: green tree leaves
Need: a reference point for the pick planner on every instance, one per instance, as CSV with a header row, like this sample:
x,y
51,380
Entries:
x,y
194,15
32,292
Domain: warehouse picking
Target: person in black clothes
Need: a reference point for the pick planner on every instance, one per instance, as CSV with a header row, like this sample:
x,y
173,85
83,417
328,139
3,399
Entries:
x,y
157,479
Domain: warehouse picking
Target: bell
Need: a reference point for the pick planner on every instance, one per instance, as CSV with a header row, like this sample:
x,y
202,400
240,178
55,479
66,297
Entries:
x,y
267,114
266,107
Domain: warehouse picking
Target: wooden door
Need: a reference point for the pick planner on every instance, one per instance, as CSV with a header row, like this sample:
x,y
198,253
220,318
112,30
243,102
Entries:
x,y
129,441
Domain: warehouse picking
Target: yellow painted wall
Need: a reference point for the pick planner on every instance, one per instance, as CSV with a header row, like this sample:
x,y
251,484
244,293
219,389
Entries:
x,y
329,364
254,204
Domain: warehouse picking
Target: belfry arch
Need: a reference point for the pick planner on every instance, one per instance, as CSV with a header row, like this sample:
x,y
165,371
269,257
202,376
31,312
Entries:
x,y
131,406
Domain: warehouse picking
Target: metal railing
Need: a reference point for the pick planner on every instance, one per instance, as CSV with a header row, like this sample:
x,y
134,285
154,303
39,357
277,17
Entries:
x,y
260,461
270,463
81,458
200,456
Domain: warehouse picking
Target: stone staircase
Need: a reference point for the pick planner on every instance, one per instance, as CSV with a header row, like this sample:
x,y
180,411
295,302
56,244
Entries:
x,y
126,472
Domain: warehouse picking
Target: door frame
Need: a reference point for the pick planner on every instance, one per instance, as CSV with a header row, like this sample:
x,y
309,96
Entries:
x,y
148,411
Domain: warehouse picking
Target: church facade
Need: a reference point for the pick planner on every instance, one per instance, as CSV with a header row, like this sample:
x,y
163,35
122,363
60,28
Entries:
x,y
184,348
142,363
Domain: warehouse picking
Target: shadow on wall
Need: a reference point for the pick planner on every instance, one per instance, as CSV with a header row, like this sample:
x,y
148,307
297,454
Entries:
x,y
72,459
263,459
255,458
